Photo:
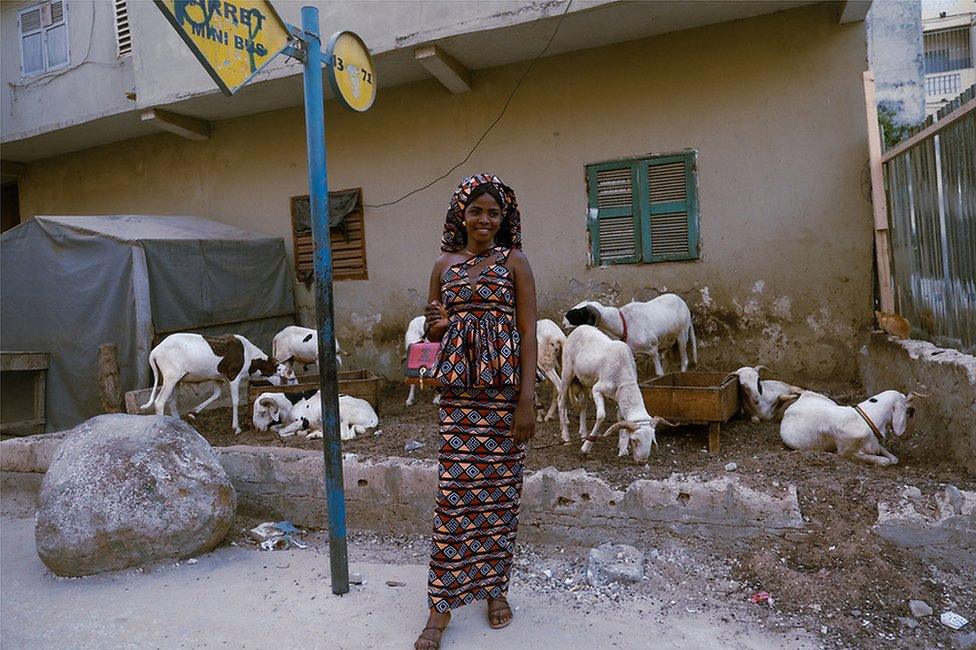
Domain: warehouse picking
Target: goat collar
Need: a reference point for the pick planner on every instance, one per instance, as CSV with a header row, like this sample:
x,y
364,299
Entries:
x,y
871,424
624,322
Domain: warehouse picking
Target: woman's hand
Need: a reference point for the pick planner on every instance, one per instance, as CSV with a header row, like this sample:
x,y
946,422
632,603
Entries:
x,y
436,320
523,424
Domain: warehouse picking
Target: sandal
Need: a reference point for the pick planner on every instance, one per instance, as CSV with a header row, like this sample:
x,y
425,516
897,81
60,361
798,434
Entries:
x,y
435,641
496,606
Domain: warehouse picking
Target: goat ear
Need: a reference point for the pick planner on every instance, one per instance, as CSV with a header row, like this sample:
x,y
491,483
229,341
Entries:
x,y
594,314
913,394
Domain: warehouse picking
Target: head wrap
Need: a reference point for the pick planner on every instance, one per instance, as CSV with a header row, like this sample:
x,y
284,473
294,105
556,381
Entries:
x,y
509,234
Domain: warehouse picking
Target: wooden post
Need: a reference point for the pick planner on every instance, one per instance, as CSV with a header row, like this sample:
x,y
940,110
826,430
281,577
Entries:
x,y
714,437
108,378
886,293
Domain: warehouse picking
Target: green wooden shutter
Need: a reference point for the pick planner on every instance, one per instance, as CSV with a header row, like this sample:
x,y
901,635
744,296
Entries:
x,y
614,216
669,208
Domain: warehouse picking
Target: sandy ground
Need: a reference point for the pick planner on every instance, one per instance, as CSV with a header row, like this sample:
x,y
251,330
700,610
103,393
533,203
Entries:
x,y
834,574
236,596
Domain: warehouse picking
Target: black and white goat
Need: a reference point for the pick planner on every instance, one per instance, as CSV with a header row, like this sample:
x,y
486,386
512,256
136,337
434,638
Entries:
x,y
355,416
297,345
275,410
649,328
193,358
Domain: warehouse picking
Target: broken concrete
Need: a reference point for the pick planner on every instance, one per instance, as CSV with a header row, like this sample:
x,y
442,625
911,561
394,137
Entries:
x,y
946,421
614,563
942,525
396,495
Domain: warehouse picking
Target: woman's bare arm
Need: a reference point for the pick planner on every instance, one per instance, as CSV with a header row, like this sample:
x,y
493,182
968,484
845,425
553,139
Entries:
x,y
437,322
526,317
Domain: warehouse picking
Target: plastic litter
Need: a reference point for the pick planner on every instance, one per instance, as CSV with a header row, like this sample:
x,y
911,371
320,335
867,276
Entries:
x,y
953,620
731,467
356,578
760,597
278,536
412,445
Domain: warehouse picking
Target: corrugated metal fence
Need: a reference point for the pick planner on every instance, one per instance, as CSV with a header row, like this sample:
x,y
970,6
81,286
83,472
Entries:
x,y
930,183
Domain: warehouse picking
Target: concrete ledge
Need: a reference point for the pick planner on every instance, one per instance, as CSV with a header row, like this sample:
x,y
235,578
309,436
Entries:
x,y
396,495
939,525
948,417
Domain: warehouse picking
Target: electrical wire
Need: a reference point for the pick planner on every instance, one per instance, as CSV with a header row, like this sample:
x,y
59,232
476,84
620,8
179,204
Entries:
x,y
48,78
490,126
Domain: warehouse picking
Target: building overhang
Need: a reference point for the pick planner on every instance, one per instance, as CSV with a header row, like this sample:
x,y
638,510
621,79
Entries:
x,y
486,44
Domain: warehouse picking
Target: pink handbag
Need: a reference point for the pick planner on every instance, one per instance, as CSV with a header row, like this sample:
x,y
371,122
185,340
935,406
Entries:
x,y
420,363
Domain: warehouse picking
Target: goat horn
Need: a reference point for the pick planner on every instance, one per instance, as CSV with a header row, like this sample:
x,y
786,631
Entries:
x,y
731,374
266,401
623,424
659,420
762,367
919,395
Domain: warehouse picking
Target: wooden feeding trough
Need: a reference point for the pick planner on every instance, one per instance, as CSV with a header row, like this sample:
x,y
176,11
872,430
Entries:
x,y
355,383
706,398
24,377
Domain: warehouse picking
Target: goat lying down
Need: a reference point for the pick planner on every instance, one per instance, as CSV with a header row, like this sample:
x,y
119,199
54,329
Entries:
x,y
297,345
355,416
815,422
764,399
607,368
649,328
193,358
275,410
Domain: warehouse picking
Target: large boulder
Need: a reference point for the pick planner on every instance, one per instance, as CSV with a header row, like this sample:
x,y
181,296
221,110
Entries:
x,y
126,490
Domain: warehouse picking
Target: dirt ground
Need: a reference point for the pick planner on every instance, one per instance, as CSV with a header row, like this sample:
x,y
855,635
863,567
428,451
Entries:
x,y
835,577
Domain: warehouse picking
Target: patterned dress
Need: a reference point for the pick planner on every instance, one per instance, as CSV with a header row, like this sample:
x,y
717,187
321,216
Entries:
x,y
479,465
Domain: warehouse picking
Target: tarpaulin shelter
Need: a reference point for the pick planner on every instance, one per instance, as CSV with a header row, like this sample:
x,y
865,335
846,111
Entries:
x,y
71,284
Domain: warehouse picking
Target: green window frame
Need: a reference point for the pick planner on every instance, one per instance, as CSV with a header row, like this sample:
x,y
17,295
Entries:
x,y
643,210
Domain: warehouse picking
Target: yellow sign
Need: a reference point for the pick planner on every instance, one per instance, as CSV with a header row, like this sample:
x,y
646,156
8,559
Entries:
x,y
233,39
352,75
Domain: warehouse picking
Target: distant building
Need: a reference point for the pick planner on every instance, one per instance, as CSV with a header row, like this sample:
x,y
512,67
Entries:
x,y
894,34
950,38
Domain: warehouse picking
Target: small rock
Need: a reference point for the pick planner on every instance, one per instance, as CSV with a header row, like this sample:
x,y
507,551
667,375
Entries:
x,y
910,623
547,573
412,445
192,560
355,578
614,563
919,608
731,467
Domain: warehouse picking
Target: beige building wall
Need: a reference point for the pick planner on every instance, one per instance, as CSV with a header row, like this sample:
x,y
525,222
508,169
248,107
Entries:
x,y
774,105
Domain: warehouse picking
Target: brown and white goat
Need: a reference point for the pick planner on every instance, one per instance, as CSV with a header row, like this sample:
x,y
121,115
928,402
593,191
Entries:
x,y
193,358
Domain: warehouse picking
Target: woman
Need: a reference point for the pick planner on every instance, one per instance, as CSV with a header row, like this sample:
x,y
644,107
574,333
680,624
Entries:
x,y
482,309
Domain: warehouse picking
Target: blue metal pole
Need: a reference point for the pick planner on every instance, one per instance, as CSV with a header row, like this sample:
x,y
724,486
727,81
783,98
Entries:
x,y
318,194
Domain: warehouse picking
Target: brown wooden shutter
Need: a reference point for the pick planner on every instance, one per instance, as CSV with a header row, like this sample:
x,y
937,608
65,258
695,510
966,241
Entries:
x,y
348,244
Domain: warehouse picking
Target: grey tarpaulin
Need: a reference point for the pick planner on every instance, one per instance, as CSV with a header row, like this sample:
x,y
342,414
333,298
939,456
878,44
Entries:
x,y
71,284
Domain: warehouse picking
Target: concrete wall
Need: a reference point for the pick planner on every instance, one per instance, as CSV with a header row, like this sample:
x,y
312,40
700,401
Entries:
x,y
946,421
95,85
895,53
773,104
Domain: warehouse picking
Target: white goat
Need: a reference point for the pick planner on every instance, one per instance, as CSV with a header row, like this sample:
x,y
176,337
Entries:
x,y
300,345
355,416
275,410
764,399
193,358
415,334
551,339
649,328
815,422
607,368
